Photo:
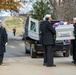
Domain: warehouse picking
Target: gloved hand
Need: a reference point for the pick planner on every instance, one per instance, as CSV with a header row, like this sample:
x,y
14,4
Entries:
x,y
6,43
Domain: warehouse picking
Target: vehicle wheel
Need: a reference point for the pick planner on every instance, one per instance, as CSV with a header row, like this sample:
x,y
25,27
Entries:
x,y
27,51
23,39
66,54
33,54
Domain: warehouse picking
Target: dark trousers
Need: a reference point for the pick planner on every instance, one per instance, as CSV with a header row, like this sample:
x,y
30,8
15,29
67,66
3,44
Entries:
x,y
48,55
1,58
74,50
14,33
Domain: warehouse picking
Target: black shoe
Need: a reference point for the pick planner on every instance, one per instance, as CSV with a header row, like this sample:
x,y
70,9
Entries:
x,y
51,65
0,63
44,64
73,62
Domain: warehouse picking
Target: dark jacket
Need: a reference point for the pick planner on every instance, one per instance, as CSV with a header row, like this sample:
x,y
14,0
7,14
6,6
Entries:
x,y
47,33
75,29
3,39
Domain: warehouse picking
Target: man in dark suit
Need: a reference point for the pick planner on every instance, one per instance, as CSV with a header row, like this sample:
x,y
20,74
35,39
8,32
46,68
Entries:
x,y
48,40
3,40
74,42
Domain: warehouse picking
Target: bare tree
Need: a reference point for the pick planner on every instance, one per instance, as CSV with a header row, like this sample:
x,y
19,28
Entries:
x,y
64,10
68,10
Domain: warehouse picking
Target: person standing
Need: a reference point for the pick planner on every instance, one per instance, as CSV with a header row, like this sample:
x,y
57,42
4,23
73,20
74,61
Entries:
x,y
48,40
3,41
14,31
74,42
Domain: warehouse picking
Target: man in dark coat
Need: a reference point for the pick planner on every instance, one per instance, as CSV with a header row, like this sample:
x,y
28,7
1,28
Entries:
x,y
3,40
74,43
48,41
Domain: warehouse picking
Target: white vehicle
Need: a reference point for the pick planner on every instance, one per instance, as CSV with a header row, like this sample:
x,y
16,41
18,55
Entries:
x,y
31,38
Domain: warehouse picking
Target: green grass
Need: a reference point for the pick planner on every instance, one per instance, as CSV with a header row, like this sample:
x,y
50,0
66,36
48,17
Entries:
x,y
15,22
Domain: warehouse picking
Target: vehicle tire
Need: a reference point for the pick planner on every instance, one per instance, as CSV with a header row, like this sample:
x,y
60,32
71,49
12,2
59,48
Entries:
x,y
23,39
66,54
33,54
27,51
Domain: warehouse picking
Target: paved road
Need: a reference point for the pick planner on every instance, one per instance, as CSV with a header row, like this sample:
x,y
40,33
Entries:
x,y
15,48
16,62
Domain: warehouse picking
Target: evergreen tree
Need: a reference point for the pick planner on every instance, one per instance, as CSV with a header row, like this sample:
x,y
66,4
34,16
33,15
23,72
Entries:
x,y
40,9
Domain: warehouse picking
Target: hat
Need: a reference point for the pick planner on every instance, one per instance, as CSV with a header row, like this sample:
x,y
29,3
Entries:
x,y
74,18
46,16
0,21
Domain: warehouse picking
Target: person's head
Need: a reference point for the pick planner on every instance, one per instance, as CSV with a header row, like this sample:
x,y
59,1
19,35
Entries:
x,y
0,23
47,17
74,20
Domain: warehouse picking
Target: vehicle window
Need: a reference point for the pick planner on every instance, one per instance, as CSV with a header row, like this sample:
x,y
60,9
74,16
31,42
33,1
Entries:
x,y
33,26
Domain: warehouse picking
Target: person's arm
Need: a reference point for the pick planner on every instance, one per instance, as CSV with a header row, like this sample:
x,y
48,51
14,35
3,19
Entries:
x,y
51,29
5,36
75,30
